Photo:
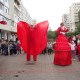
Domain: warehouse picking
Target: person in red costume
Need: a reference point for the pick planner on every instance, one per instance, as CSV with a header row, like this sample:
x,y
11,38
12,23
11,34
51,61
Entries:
x,y
33,39
62,48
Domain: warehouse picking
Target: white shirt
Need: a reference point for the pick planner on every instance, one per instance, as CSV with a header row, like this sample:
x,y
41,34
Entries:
x,y
73,46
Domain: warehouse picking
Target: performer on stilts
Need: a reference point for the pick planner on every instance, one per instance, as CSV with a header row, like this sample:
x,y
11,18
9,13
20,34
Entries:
x,y
33,38
62,48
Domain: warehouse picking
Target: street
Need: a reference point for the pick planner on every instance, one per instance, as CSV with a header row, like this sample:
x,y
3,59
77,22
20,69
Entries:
x,y
17,68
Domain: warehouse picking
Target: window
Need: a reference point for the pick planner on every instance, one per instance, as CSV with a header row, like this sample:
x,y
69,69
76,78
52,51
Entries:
x,y
16,11
17,2
6,10
6,1
1,6
1,18
7,20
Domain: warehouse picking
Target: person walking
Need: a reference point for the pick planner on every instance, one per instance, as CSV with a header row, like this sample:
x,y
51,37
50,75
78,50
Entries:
x,y
73,50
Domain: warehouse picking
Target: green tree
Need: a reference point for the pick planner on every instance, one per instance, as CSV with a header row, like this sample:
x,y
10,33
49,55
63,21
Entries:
x,y
52,35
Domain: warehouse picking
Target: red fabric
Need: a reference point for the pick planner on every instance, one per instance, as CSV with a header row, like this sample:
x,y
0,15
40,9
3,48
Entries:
x,y
61,30
28,57
23,35
70,39
62,49
3,22
78,48
18,46
33,40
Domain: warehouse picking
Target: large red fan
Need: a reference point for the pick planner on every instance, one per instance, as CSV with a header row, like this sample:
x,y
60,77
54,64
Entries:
x,y
33,40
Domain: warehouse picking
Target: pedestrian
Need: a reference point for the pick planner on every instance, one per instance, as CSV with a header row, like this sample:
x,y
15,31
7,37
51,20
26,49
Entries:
x,y
18,48
49,47
14,48
3,42
78,48
73,49
0,46
10,46
6,48
44,51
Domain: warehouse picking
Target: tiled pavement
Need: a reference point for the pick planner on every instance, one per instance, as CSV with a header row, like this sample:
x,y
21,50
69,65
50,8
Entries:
x,y
17,68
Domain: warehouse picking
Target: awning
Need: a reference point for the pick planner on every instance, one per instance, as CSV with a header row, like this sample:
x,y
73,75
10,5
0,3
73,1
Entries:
x,y
3,22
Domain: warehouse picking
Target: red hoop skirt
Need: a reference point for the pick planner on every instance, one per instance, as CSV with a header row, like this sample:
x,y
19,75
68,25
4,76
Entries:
x,y
62,51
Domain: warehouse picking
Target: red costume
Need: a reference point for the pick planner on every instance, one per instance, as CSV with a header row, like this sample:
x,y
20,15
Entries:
x,y
78,48
33,40
70,39
62,48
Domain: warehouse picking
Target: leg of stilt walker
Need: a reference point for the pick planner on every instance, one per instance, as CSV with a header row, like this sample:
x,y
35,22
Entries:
x,y
28,57
35,57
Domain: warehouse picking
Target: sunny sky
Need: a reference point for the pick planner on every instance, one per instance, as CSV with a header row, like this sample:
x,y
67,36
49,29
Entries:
x,y
51,10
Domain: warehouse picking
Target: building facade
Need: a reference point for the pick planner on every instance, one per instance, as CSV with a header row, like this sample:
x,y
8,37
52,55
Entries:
x,y
74,19
66,20
12,11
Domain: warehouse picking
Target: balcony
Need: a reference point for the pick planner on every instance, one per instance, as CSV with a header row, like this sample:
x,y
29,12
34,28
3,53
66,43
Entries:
x,y
9,26
17,2
1,11
2,1
18,7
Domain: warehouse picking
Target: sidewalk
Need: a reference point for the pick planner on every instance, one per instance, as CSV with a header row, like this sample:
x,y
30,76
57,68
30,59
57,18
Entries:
x,y
16,68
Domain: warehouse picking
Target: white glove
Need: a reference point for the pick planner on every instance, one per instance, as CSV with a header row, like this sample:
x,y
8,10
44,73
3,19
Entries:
x,y
62,32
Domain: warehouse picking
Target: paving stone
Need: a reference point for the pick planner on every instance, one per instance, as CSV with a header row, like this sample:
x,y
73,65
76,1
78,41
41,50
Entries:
x,y
17,68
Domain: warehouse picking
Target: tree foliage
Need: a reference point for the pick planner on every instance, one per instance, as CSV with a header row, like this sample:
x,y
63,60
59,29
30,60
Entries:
x,y
52,34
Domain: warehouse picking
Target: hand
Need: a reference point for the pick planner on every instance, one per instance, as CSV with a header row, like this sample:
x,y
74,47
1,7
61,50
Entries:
x,y
62,32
